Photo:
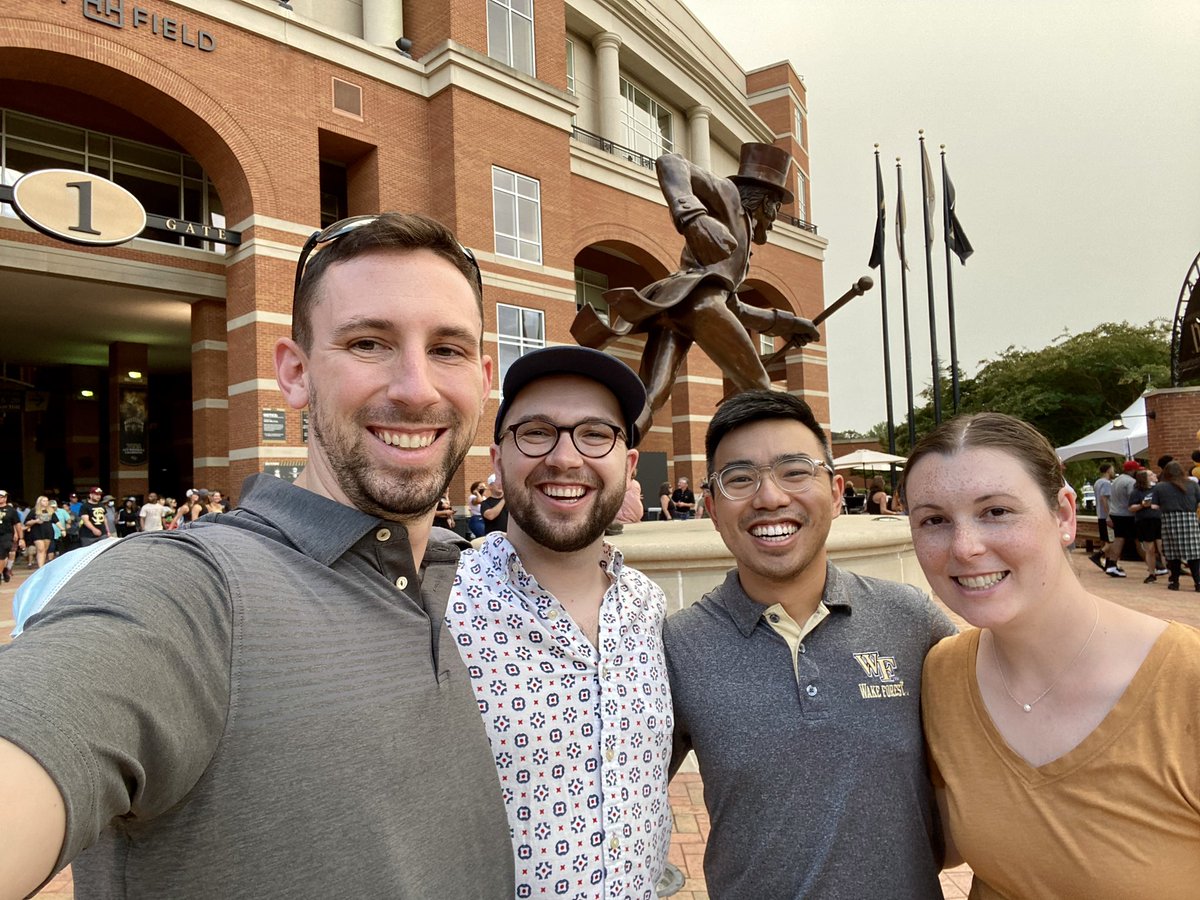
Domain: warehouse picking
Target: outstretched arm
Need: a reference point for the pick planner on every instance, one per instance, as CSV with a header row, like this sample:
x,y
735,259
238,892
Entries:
x,y
33,822
776,322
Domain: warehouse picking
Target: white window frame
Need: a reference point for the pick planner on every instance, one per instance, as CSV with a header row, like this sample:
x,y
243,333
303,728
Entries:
x,y
590,285
799,125
641,129
521,196
570,66
766,345
521,341
801,196
507,9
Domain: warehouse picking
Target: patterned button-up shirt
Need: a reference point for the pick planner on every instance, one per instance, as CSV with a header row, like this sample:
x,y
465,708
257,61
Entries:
x,y
581,734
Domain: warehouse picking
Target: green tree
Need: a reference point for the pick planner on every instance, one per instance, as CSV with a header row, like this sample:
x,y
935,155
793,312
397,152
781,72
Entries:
x,y
1066,389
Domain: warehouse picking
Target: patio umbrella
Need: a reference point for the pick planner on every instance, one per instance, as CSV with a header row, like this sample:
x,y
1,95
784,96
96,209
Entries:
x,y
868,459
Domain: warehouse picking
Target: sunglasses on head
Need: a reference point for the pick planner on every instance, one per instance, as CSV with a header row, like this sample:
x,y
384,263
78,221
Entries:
x,y
343,227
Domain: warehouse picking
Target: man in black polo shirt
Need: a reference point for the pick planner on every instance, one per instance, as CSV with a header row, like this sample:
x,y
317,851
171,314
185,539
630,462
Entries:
x,y
266,703
93,520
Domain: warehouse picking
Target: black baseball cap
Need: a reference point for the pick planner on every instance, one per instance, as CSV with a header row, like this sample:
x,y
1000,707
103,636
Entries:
x,y
583,361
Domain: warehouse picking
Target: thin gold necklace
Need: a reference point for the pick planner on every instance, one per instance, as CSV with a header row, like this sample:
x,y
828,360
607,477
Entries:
x,y
1028,707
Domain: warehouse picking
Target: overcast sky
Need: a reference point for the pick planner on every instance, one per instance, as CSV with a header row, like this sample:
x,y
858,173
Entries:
x,y
1072,133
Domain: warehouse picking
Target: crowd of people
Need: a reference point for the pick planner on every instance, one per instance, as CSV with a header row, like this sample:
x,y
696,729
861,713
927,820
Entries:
x,y
169,715
1154,512
50,526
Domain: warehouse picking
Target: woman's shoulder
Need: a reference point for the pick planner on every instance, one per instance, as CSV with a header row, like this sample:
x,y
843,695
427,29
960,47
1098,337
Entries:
x,y
951,652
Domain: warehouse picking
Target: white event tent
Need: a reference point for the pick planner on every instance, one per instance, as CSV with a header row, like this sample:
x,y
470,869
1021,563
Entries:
x,y
1126,442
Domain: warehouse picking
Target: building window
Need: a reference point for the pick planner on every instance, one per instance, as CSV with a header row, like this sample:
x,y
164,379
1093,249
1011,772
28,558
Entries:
x,y
801,204
798,128
510,33
518,330
646,126
589,290
766,345
517,212
570,67
166,182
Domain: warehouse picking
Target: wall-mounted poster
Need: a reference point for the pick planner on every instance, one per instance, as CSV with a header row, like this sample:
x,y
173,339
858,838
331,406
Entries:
x,y
132,413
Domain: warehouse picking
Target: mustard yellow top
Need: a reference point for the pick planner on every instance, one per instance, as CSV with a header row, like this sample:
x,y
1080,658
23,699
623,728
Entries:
x,y
1116,817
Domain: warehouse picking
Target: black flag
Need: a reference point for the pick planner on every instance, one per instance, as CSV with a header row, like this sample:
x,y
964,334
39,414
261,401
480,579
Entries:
x,y
956,238
880,218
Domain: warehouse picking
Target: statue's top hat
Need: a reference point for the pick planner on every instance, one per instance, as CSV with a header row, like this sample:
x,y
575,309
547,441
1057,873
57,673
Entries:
x,y
764,165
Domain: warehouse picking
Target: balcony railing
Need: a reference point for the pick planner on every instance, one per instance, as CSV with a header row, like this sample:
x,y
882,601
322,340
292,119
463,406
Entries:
x,y
798,223
594,140
647,162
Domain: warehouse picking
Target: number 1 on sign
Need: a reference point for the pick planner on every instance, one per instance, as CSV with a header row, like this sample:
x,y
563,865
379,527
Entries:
x,y
85,207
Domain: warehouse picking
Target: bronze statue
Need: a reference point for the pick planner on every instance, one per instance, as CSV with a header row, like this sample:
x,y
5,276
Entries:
x,y
718,218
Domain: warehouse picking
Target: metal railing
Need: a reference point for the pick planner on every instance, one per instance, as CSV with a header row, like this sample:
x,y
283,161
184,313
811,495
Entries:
x,y
798,223
600,143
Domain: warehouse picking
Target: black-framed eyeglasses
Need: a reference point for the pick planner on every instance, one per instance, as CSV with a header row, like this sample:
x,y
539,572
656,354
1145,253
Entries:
x,y
792,474
537,438
343,227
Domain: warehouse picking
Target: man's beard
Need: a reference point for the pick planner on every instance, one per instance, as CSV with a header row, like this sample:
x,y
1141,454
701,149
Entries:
x,y
555,534
395,493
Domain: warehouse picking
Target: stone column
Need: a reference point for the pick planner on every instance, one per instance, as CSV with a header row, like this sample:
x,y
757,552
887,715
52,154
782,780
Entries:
x,y
210,398
608,68
698,136
383,22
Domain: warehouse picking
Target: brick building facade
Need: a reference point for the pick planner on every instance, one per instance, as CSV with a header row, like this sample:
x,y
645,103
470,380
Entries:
x,y
525,125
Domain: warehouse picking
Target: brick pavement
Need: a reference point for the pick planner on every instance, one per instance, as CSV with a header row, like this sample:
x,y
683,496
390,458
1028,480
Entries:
x,y
687,800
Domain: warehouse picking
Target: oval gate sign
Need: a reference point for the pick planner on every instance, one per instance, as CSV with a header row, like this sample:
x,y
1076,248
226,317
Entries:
x,y
78,207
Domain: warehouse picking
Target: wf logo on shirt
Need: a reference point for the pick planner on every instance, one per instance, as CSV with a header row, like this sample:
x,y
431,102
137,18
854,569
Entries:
x,y
882,668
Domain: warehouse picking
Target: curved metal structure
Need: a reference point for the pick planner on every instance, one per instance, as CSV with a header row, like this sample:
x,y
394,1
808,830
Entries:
x,y
1185,330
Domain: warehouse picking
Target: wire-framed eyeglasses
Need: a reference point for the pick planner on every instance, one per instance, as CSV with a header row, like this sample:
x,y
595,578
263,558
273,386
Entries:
x,y
343,227
791,474
537,438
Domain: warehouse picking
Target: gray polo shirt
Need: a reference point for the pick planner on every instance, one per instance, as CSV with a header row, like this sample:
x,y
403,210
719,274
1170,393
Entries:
x,y
262,705
814,768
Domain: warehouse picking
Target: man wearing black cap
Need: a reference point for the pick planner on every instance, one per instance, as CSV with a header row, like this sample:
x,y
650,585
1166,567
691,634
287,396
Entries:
x,y
93,519
719,218
563,641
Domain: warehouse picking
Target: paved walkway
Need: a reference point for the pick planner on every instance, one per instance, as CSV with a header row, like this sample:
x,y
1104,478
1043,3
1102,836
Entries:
x,y
687,800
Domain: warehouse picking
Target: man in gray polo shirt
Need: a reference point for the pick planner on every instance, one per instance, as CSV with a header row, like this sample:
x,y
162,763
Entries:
x,y
294,721
798,684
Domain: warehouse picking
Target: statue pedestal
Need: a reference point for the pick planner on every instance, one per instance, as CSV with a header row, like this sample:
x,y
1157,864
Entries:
x,y
687,559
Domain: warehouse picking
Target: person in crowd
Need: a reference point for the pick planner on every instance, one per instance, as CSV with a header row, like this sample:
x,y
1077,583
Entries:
x,y
41,528
797,682
64,525
1120,519
664,502
683,501
1147,520
1178,499
152,514
12,537
1060,727
475,500
127,518
443,515
493,510
631,510
579,715
170,514
298,721
1103,491
1195,473
93,519
878,501
218,502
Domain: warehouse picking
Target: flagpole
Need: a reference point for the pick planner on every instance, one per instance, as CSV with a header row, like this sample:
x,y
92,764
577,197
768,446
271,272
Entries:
x,y
950,286
908,372
877,255
928,202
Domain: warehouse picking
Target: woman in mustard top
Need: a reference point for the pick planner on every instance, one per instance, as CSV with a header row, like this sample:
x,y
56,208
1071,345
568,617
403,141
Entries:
x,y
1062,729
